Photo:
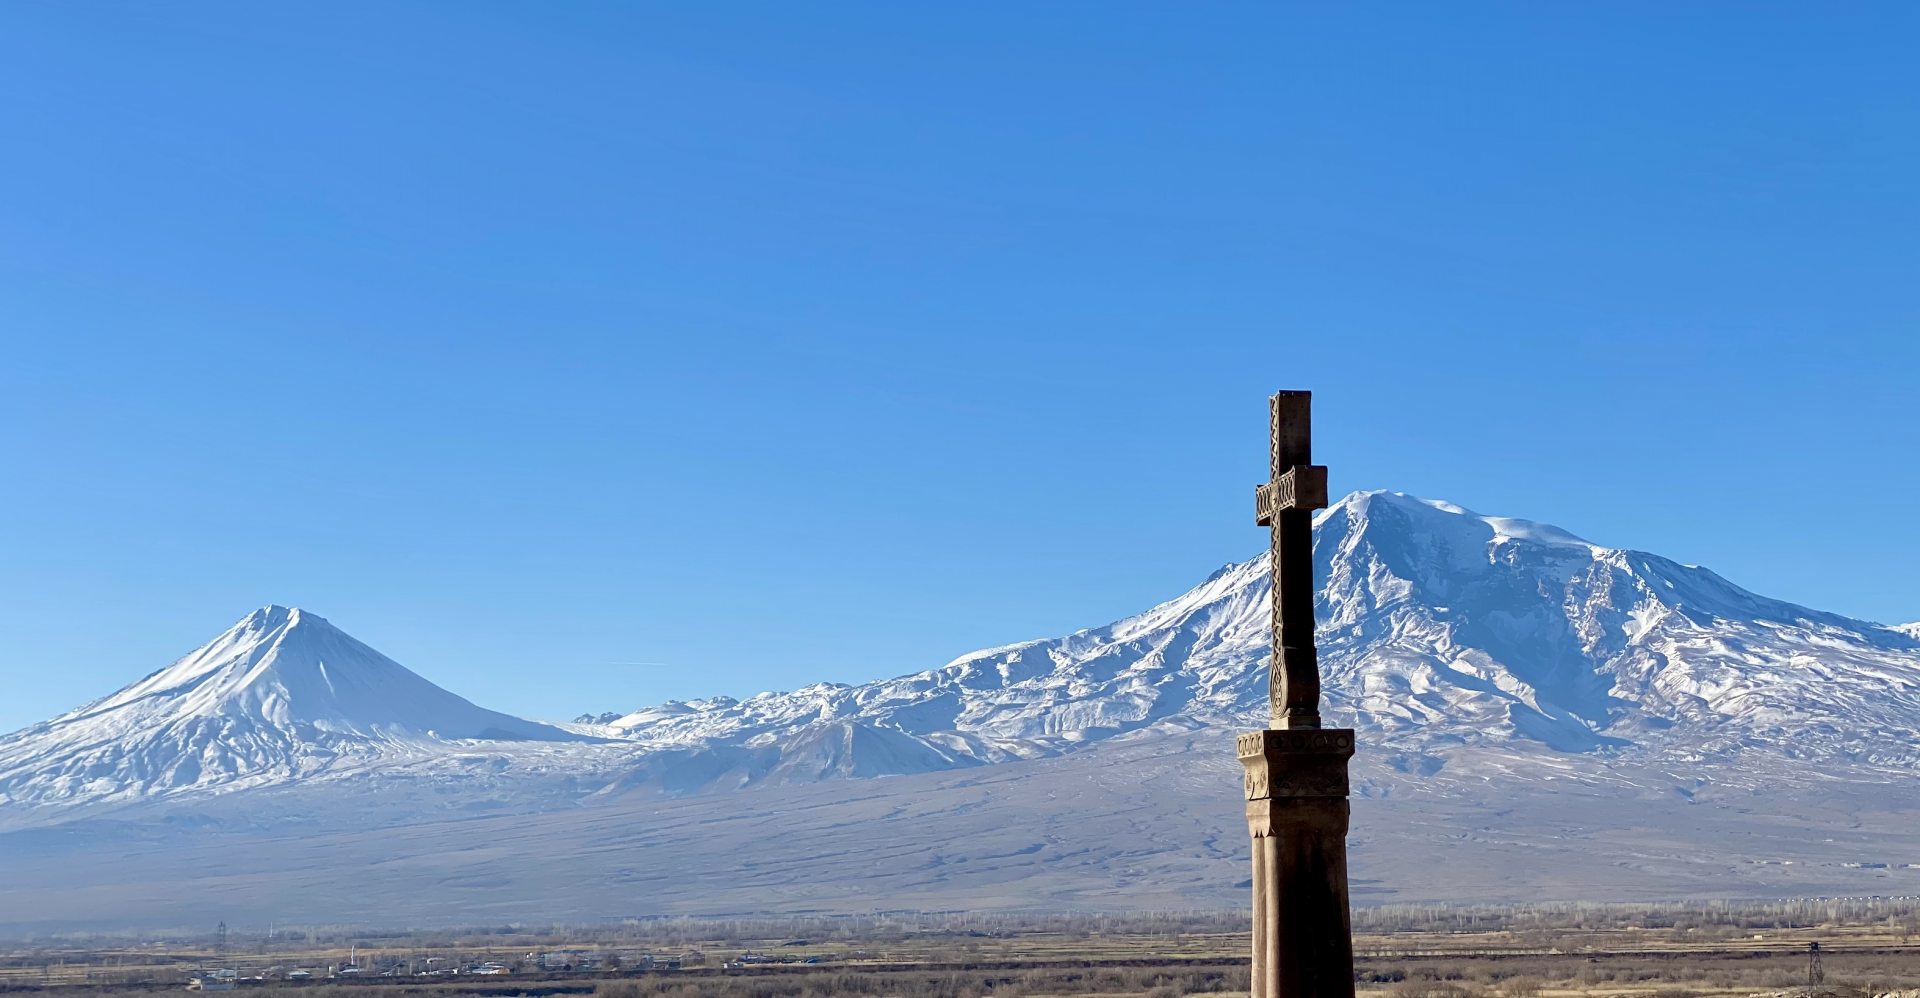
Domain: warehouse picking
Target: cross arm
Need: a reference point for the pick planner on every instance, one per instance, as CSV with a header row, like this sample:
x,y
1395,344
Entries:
x,y
1304,486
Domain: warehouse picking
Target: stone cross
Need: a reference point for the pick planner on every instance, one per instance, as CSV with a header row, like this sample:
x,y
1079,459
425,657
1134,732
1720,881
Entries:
x,y
1286,504
1296,771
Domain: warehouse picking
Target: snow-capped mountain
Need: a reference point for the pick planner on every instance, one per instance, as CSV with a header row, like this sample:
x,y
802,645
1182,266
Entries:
x,y
280,696
1440,631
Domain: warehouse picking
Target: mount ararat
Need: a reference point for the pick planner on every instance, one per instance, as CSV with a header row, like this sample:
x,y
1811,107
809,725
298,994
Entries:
x,y
1539,717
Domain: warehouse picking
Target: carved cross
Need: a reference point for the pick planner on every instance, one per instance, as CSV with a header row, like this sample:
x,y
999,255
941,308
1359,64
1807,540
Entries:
x,y
1286,504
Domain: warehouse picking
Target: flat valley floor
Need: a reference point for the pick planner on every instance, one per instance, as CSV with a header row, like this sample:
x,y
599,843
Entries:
x,y
1141,825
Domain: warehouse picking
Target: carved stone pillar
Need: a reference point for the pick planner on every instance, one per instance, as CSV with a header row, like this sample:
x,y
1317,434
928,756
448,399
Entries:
x,y
1296,784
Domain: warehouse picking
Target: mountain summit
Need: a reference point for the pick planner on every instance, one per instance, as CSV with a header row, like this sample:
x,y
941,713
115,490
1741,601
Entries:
x,y
281,695
1438,625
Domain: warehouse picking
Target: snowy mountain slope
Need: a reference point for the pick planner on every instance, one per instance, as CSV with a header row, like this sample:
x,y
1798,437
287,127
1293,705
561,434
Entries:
x,y
280,696
1439,628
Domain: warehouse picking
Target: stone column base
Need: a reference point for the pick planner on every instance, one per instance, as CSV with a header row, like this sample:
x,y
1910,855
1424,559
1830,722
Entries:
x,y
1296,784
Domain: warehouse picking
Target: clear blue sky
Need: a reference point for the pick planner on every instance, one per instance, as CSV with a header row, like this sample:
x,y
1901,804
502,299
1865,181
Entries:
x,y
765,344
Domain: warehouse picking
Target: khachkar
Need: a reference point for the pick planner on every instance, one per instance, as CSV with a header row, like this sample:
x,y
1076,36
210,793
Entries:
x,y
1297,770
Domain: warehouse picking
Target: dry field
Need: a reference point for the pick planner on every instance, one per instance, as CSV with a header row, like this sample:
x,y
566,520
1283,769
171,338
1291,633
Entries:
x,y
1868,946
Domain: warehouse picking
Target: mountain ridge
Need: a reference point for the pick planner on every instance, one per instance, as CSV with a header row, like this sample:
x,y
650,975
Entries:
x,y
1441,631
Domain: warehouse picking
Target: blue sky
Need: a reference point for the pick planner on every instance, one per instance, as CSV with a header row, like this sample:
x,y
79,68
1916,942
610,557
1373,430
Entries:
x,y
583,356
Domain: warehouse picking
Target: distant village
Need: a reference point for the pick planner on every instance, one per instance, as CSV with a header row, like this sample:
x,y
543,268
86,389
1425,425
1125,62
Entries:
x,y
563,961
566,961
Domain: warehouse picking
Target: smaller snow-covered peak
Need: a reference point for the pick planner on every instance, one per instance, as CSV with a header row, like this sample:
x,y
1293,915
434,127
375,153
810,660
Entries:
x,y
1910,630
285,665
250,653
281,693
